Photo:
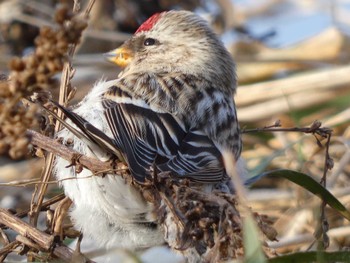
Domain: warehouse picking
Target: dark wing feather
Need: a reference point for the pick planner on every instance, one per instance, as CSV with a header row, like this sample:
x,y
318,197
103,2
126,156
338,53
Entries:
x,y
144,135
197,158
89,133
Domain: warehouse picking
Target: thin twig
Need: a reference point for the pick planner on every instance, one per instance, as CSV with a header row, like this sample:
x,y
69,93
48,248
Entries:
x,y
5,250
44,205
30,182
315,128
323,225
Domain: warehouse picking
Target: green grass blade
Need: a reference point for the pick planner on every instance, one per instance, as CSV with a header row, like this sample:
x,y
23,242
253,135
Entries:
x,y
252,245
312,186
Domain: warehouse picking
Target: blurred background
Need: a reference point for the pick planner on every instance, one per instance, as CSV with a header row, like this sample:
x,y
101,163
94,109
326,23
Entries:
x,y
292,61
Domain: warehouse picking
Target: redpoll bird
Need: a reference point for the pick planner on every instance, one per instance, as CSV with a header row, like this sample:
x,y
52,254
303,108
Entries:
x,y
172,106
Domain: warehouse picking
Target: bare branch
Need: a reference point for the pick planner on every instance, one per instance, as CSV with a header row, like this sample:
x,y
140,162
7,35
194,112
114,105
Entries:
x,y
43,240
76,158
315,128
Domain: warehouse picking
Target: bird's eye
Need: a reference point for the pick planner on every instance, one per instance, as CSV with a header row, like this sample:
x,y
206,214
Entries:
x,y
149,42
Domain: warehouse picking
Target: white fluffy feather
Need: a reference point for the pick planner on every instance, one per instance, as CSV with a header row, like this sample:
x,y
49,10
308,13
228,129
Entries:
x,y
104,208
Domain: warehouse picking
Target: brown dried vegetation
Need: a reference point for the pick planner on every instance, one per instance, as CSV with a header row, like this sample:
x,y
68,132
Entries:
x,y
34,74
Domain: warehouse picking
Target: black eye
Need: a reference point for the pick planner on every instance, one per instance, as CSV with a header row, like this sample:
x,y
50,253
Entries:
x,y
149,42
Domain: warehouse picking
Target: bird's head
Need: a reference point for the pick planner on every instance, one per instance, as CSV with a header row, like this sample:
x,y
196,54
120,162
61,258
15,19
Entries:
x,y
176,41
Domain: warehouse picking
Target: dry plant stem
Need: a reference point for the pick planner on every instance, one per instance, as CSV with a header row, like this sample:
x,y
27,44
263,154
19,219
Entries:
x,y
300,240
315,128
261,100
68,154
27,242
6,240
44,205
323,225
39,192
7,246
59,216
42,240
314,82
172,207
4,251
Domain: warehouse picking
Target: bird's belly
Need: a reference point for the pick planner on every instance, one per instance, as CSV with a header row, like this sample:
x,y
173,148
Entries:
x,y
107,209
104,208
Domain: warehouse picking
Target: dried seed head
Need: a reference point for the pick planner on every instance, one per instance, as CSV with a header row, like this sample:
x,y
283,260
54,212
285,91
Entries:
x,y
18,147
62,14
34,73
17,64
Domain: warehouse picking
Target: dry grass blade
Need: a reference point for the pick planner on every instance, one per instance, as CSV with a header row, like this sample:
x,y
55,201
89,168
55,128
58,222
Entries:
x,y
262,100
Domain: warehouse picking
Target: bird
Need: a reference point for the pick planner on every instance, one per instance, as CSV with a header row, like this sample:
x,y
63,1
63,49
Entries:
x,y
171,108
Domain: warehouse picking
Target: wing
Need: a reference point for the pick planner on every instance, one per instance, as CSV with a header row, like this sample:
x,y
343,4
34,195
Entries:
x,y
144,136
148,137
197,158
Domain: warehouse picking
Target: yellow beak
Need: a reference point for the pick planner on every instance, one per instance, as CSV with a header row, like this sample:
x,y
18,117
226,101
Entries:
x,y
120,56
